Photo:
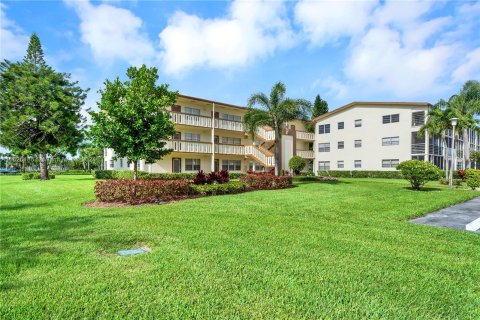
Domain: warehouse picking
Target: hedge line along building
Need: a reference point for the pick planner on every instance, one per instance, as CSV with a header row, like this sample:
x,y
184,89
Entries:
x,y
210,136
380,135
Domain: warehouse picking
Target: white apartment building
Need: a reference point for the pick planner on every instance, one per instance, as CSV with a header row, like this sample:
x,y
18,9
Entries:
x,y
378,136
210,137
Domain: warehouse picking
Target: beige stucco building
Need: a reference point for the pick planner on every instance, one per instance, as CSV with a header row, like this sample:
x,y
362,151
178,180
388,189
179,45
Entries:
x,y
210,136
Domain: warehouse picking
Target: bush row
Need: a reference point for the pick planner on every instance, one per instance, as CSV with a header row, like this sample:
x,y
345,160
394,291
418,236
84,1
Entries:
x,y
72,172
266,181
360,174
216,189
35,175
128,174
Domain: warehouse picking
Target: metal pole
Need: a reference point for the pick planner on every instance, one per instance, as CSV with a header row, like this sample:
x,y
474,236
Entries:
x,y
212,165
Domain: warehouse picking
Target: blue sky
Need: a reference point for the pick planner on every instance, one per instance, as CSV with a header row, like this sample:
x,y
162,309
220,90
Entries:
x,y
343,50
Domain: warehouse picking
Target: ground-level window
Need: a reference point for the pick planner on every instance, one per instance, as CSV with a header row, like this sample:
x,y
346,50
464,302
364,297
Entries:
x,y
390,163
323,165
340,164
191,111
106,164
192,164
232,165
105,152
390,141
192,136
324,147
358,143
111,163
358,164
121,162
341,144
255,166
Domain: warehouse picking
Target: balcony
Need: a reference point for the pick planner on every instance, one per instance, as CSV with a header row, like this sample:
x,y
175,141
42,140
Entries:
x,y
306,154
302,135
266,135
229,149
204,147
205,122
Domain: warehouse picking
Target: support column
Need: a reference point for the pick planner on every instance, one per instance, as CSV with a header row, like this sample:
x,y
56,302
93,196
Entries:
x,y
212,165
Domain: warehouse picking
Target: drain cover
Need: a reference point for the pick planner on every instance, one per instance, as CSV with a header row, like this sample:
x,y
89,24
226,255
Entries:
x,y
132,252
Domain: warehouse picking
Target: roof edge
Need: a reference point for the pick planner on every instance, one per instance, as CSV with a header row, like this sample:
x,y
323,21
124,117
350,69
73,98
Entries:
x,y
211,101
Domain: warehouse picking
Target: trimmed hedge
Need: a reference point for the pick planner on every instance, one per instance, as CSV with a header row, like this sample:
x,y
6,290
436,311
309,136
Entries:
x,y
128,174
266,181
141,191
72,172
419,172
35,175
231,187
473,178
361,174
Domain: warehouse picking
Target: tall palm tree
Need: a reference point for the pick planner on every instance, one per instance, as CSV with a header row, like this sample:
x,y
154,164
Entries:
x,y
438,122
467,103
275,111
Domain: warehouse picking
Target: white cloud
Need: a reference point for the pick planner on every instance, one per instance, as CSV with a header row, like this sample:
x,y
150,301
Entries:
x,y
470,69
328,21
251,30
13,41
113,33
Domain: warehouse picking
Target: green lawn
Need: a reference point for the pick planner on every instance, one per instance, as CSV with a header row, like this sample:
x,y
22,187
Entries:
x,y
319,250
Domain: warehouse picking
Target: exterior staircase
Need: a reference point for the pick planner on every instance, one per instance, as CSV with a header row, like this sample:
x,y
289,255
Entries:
x,y
262,155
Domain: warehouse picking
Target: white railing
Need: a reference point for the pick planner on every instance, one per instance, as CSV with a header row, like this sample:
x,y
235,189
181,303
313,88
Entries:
x,y
191,120
190,146
228,125
267,135
302,135
267,160
229,149
306,154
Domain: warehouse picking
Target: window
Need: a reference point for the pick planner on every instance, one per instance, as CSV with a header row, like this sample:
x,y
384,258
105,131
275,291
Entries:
x,y
177,136
358,164
230,117
340,164
390,141
111,163
216,139
341,125
391,118
121,162
323,165
341,145
192,164
358,143
418,118
232,165
324,128
230,140
358,123
105,152
390,163
192,136
324,147
191,111
105,166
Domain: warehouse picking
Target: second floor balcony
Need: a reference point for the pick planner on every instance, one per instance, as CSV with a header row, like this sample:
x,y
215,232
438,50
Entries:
x,y
204,147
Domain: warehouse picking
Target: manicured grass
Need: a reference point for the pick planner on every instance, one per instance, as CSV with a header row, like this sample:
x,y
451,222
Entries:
x,y
320,250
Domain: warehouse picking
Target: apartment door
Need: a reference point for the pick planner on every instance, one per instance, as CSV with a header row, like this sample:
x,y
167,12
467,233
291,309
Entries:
x,y
217,165
176,165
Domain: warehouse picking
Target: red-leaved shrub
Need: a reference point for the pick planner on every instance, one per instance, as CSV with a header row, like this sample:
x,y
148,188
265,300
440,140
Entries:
x,y
141,191
200,178
218,177
266,181
462,174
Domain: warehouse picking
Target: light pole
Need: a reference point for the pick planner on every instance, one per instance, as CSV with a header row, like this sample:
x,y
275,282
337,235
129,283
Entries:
x,y
454,153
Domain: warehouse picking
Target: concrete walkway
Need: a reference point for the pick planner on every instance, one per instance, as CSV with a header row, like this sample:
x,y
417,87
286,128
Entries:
x,y
455,217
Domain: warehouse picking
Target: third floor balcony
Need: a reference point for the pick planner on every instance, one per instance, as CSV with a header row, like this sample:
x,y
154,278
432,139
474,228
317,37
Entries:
x,y
205,122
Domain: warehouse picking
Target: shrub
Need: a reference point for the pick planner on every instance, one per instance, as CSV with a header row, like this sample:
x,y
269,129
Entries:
x,y
216,189
35,175
127,174
419,172
455,182
72,172
473,178
461,174
200,178
266,181
361,174
141,191
297,164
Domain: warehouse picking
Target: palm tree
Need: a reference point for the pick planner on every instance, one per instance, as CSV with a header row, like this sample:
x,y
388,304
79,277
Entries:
x,y
275,111
438,122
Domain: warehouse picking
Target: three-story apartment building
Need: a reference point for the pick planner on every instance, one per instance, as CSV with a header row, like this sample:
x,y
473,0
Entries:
x,y
210,136
380,135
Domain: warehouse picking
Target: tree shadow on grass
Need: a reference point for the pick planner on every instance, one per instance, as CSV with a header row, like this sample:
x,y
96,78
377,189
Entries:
x,y
423,189
337,182
22,206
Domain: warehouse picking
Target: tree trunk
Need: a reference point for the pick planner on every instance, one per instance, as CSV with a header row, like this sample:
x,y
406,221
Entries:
x,y
135,169
466,150
277,155
23,162
43,166
445,156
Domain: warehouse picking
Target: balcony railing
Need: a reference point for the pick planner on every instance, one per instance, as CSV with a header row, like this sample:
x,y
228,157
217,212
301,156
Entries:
x,y
190,146
306,154
191,120
229,149
267,135
267,160
302,135
228,125
418,148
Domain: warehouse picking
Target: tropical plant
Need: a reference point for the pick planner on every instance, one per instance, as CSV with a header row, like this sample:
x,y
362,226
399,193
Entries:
x,y
132,117
419,172
473,178
39,107
276,110
297,164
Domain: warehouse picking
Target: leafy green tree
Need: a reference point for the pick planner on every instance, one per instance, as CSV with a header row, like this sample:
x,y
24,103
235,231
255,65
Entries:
x,y
91,156
297,164
132,118
475,158
276,111
39,107
320,107
419,172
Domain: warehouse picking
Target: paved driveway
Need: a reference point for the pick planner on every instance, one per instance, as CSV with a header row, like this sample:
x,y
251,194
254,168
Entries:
x,y
455,217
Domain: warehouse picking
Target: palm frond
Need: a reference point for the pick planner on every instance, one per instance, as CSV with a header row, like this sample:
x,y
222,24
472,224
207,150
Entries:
x,y
254,119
